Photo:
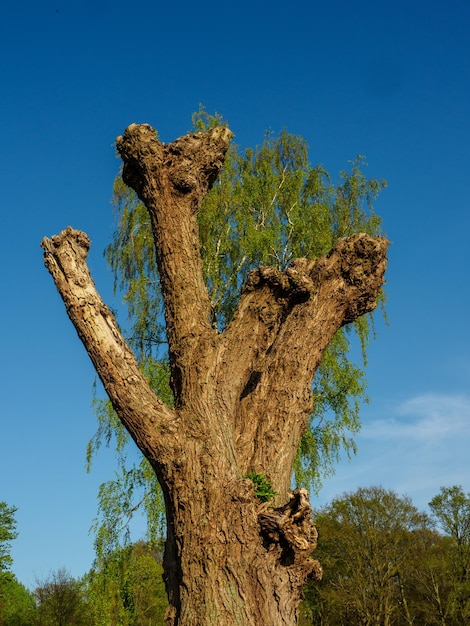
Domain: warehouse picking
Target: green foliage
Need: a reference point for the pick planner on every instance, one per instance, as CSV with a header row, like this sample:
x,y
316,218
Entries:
x,y
338,389
132,489
263,489
16,603
126,587
385,563
61,601
17,606
268,206
131,256
135,486
7,534
451,510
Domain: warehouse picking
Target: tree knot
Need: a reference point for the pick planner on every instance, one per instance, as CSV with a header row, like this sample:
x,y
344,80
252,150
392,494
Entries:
x,y
289,528
293,284
361,257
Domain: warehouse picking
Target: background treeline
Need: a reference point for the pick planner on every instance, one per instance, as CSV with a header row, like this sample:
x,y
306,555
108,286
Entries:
x,y
125,589
385,564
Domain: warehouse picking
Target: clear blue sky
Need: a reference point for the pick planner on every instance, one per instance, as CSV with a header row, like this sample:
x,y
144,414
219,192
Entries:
x,y
388,80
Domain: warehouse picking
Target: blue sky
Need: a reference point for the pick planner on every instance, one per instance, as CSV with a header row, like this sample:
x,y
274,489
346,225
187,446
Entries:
x,y
387,80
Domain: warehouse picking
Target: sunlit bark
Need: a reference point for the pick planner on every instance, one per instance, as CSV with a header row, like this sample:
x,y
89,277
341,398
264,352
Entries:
x,y
242,397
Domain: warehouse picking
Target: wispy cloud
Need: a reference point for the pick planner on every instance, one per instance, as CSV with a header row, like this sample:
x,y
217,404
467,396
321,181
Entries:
x,y
429,418
414,448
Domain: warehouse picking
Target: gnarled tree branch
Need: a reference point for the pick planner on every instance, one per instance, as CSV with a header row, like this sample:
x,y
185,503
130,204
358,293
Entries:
x,y
295,315
172,180
242,399
151,423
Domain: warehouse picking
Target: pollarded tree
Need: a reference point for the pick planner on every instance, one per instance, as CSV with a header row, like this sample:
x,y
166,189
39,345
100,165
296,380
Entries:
x,y
242,396
268,206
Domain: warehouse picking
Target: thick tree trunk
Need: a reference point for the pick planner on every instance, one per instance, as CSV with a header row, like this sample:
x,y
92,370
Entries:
x,y
242,397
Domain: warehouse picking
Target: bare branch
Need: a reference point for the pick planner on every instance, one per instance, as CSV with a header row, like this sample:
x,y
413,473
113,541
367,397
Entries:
x,y
275,362
150,422
172,180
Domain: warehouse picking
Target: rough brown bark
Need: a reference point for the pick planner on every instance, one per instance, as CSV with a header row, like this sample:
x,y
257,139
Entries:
x,y
242,398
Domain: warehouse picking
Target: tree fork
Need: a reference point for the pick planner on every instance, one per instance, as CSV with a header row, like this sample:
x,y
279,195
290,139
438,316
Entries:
x,y
242,397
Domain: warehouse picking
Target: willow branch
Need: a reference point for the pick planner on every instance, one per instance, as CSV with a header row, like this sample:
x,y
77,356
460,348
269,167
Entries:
x,y
150,422
300,312
172,180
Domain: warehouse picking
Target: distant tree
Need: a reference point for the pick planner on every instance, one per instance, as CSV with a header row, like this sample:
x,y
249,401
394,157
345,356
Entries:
x,y
17,606
428,580
61,601
451,510
126,587
7,534
241,383
16,603
366,542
